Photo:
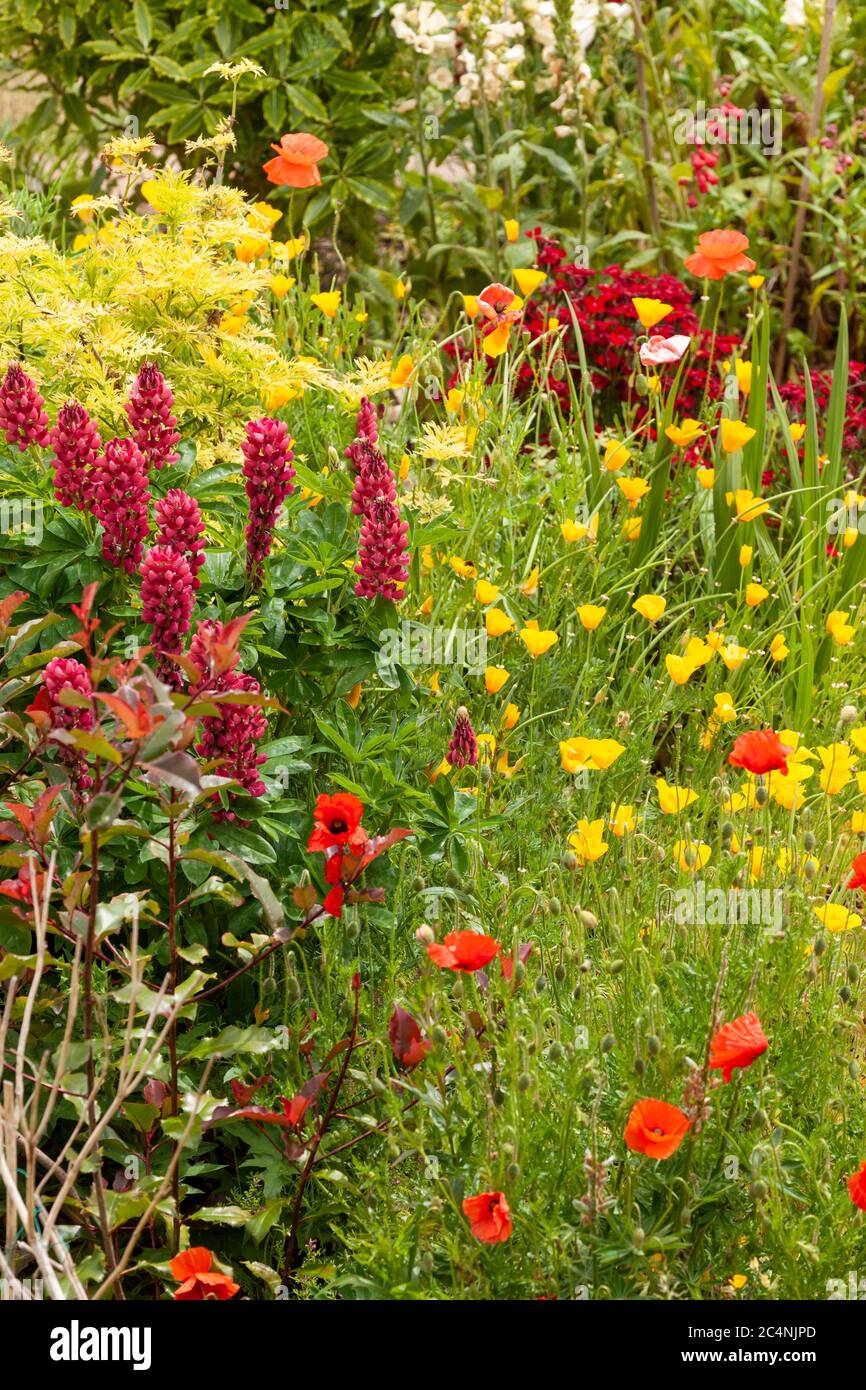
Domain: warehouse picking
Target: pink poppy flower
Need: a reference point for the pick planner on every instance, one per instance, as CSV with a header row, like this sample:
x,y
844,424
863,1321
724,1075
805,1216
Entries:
x,y
658,351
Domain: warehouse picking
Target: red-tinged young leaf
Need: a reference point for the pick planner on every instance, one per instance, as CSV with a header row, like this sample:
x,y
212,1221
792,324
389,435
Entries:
x,y
137,722
304,896
7,608
244,1094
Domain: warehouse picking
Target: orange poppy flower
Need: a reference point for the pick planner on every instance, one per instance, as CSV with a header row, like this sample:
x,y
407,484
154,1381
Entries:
x,y
856,1188
759,752
336,818
655,1128
858,878
737,1044
719,253
297,161
489,1216
464,951
193,1267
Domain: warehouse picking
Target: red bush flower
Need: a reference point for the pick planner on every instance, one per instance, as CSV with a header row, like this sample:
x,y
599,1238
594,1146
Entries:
x,y
383,558
489,1216
199,1281
737,1044
120,498
336,818
149,410
268,472
180,527
166,603
857,1187
464,951
463,748
655,1128
760,752
22,418
75,441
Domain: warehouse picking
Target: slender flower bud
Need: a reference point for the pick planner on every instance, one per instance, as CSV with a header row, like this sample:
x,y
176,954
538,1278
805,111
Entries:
x,y
22,418
383,557
76,444
166,601
149,409
268,472
120,498
462,749
180,528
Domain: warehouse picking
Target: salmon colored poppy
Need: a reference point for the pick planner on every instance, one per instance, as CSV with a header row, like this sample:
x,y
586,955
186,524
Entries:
x,y
655,1128
489,1216
336,818
858,877
495,299
719,253
737,1044
857,1188
464,951
297,161
199,1283
759,752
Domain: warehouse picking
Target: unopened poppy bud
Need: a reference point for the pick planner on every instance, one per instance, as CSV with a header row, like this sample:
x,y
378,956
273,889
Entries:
x,y
425,935
438,1034
554,906
524,1081
615,966
426,1263
639,1066
638,1237
759,1119
519,972
512,1172
555,435
727,830
845,995
540,985
653,1045
759,1189
485,772
847,714
809,842
569,860
457,990
608,1042
559,973
762,796
819,945
810,870
269,985
293,988
556,1052
641,385
453,878
854,1070
589,919
557,371
853,974
417,885
499,1096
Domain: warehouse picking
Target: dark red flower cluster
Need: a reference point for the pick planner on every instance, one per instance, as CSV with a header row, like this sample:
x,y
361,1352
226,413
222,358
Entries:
x,y
180,528
22,418
601,302
166,603
76,444
120,498
463,748
149,409
231,737
383,556
793,393
269,473
65,673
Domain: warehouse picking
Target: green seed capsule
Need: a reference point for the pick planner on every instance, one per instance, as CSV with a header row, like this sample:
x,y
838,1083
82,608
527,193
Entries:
x,y
417,885
809,842
512,1172
556,1052
524,1081
819,945
554,907
653,1045
853,974
762,796
639,1066
452,878
540,985
759,1119
608,1042
559,973
845,995
439,1035
759,1190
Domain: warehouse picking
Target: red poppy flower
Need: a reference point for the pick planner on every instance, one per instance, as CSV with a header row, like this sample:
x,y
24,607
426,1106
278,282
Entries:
x,y
719,253
464,951
495,299
857,1188
858,878
760,751
655,1128
199,1283
297,161
737,1044
408,1046
489,1216
336,820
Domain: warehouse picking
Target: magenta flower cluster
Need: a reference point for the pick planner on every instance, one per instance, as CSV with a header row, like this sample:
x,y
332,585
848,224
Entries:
x,y
65,673
268,472
120,498
383,556
75,441
179,527
150,411
22,419
230,738
463,748
166,603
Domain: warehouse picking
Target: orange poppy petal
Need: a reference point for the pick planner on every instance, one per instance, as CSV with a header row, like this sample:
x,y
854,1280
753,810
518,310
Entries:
x,y
197,1260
